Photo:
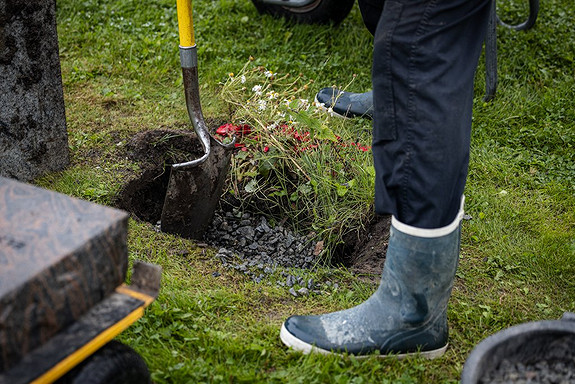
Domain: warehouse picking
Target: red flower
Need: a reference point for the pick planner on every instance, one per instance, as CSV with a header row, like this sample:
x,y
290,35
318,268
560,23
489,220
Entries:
x,y
231,129
266,149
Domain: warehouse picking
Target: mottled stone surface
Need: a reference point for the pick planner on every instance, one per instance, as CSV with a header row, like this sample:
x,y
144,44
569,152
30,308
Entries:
x,y
33,137
59,256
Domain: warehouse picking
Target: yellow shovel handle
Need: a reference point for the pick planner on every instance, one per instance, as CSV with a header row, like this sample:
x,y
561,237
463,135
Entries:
x,y
186,23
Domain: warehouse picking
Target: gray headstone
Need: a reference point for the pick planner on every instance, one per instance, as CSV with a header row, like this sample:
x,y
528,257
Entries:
x,y
33,137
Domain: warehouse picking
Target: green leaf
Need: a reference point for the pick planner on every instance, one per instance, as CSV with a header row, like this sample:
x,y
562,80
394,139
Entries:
x,y
341,190
265,166
305,189
251,186
325,133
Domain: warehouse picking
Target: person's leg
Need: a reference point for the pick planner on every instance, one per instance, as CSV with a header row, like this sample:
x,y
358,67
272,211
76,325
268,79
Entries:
x,y
425,55
345,104
351,104
371,13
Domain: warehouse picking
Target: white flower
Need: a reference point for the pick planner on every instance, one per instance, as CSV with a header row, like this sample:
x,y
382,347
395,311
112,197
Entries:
x,y
272,95
268,74
262,104
257,89
243,79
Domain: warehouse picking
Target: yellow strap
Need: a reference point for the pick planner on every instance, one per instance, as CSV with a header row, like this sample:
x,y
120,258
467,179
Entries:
x,y
186,23
100,340
126,290
88,349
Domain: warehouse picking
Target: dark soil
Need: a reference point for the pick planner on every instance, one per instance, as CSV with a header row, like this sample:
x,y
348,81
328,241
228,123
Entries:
x,y
144,191
364,252
154,151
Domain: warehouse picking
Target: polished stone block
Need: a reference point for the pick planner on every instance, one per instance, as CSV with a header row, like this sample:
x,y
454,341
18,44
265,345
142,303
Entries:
x,y
59,256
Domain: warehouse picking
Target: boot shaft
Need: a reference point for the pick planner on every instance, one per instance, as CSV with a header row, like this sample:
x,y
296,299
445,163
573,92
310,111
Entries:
x,y
419,271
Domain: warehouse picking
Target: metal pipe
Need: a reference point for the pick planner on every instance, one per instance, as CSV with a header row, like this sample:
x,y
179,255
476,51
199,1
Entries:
x,y
189,63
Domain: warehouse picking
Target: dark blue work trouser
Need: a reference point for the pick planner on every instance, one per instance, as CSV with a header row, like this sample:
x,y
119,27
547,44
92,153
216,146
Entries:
x,y
424,60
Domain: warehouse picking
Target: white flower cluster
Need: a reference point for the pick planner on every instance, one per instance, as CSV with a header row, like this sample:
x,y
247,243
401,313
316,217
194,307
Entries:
x,y
257,89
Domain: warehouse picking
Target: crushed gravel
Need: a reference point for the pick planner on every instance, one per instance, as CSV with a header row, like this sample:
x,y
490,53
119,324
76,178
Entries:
x,y
543,371
251,245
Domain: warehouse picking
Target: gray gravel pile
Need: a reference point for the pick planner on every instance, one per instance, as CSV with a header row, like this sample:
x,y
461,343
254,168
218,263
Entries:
x,y
249,244
544,372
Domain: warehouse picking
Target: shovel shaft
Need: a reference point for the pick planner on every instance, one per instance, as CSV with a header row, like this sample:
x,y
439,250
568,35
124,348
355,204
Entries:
x,y
189,63
186,23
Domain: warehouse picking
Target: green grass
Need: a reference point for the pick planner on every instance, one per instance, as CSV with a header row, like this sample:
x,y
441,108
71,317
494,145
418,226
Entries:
x,y
121,76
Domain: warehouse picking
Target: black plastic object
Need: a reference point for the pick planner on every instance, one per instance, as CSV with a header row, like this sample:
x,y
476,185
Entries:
x,y
491,44
114,363
525,343
527,24
317,12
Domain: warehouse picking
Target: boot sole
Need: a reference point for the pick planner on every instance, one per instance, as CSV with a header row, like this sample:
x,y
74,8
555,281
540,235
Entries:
x,y
301,346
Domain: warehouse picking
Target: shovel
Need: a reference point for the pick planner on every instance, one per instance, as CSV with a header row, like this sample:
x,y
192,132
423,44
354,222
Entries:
x,y
194,187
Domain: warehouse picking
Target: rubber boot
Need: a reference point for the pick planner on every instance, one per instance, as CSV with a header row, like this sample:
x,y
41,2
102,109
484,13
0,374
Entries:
x,y
408,312
345,104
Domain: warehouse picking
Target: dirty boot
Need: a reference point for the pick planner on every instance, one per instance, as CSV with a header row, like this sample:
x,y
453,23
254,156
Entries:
x,y
408,312
345,104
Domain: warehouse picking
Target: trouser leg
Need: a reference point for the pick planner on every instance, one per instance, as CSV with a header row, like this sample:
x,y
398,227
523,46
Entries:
x,y
371,13
425,56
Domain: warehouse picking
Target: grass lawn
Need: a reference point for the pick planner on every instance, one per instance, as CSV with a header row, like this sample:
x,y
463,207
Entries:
x,y
121,75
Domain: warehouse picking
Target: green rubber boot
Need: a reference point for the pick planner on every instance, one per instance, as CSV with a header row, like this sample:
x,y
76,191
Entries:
x,y
345,104
408,312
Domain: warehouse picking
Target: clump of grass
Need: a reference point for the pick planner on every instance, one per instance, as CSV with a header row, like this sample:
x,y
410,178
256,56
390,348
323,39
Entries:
x,y
305,165
84,183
